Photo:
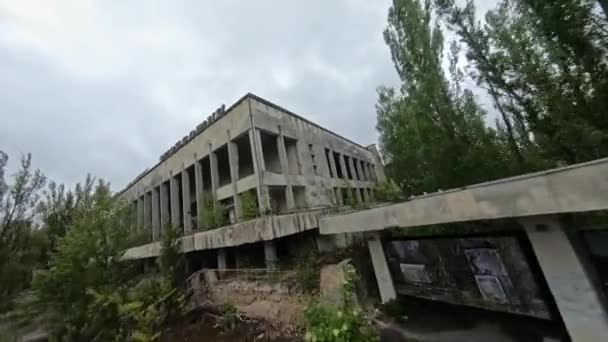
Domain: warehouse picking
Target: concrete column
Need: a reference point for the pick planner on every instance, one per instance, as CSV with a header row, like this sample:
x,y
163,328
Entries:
x,y
270,253
164,207
343,166
233,158
214,173
285,170
578,300
155,214
174,194
186,201
221,259
332,164
353,169
140,213
359,170
258,166
339,196
147,211
383,274
364,173
198,184
365,195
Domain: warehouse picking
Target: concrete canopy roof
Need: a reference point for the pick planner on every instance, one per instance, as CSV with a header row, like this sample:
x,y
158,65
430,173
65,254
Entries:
x,y
576,188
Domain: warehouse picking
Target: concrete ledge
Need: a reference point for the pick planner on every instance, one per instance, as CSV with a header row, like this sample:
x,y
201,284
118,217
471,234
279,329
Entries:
x,y
263,229
576,188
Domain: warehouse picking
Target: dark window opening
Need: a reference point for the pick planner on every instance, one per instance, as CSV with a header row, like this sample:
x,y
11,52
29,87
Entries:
x,y
223,165
245,156
338,165
355,166
348,165
278,201
270,151
331,173
293,162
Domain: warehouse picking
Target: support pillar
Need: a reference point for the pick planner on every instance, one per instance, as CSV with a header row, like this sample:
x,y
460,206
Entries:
x,y
332,164
258,166
140,213
155,214
339,196
221,259
578,300
186,201
233,158
147,211
270,253
285,170
362,171
175,212
353,169
198,185
214,173
383,274
164,207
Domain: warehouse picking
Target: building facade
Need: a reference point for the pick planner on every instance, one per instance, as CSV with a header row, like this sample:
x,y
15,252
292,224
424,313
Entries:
x,y
287,163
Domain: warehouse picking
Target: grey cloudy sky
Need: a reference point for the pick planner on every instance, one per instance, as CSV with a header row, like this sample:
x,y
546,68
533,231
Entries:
x,y
106,86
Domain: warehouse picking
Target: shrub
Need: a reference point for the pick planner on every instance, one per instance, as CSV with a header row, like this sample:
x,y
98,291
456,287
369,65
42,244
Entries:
x,y
212,214
249,205
228,318
388,191
328,324
339,323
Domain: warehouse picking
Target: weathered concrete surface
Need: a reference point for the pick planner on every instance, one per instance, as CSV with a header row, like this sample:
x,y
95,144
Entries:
x,y
262,229
578,301
577,188
383,274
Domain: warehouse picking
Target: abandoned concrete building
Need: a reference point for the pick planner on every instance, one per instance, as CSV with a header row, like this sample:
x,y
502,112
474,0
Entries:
x,y
293,168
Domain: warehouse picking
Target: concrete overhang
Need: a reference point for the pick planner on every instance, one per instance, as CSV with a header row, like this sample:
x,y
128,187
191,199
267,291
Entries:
x,y
263,229
576,188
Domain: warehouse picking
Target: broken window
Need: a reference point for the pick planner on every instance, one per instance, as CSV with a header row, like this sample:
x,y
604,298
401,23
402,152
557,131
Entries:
x,y
223,165
270,150
245,158
338,165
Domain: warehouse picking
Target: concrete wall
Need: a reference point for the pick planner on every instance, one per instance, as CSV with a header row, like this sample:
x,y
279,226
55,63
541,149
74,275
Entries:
x,y
312,140
576,188
461,270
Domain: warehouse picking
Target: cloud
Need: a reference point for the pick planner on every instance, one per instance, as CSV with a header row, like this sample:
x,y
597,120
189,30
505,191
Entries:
x,y
104,87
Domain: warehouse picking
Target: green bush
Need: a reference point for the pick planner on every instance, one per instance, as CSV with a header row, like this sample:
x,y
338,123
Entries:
x,y
228,318
387,191
249,205
212,214
339,323
329,324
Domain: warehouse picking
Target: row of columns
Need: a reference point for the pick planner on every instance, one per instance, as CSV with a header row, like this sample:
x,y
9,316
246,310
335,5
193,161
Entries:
x,y
579,300
364,170
152,207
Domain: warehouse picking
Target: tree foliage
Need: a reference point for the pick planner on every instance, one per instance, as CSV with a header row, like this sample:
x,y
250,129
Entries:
x,y
22,245
432,132
543,66
89,293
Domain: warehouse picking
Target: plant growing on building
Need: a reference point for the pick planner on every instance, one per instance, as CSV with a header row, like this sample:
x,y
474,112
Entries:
x,y
387,191
344,322
249,205
212,214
